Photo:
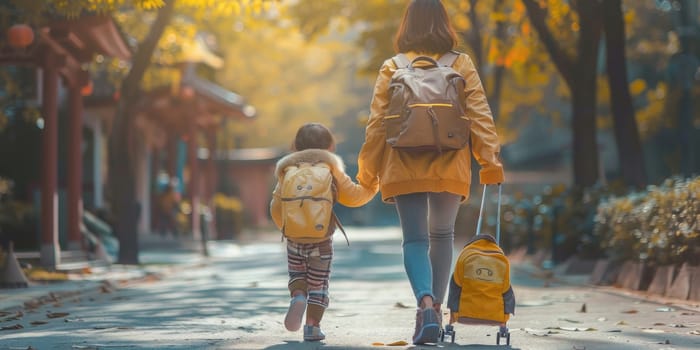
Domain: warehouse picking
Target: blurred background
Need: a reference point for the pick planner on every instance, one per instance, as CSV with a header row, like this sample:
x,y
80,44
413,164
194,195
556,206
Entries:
x,y
127,118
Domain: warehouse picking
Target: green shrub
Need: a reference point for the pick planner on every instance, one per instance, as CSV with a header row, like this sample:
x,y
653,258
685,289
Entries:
x,y
660,226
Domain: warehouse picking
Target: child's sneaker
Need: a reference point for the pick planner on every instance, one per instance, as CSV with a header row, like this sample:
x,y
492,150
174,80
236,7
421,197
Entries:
x,y
295,313
313,333
427,328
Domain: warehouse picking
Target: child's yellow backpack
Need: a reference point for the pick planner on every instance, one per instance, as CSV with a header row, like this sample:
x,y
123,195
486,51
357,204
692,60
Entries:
x,y
308,193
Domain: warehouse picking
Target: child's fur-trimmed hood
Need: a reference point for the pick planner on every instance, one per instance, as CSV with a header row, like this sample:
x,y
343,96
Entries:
x,y
311,155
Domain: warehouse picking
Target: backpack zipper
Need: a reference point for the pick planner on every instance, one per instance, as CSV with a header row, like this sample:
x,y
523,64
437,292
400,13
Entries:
x,y
430,105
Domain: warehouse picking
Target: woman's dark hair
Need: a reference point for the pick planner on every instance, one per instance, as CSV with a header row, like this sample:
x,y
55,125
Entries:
x,y
425,28
313,135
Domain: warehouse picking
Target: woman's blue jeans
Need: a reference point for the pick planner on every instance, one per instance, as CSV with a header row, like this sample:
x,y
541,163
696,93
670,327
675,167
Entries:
x,y
428,223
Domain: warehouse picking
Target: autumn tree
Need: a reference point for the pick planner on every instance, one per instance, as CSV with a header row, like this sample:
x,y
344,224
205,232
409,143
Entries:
x,y
121,161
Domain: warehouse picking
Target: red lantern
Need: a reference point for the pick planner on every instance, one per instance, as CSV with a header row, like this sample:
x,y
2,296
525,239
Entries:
x,y
20,36
186,93
87,89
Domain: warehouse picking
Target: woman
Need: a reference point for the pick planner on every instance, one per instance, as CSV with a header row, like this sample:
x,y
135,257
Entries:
x,y
428,187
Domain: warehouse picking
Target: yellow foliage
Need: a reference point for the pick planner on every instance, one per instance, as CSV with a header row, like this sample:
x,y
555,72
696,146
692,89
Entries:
x,y
498,17
40,274
290,81
652,117
637,87
225,202
461,22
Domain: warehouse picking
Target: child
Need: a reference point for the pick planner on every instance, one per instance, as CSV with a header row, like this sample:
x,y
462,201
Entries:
x,y
309,263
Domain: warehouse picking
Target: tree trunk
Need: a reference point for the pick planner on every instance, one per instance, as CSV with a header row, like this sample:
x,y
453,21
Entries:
x,y
629,146
473,37
584,92
496,87
580,75
122,161
584,144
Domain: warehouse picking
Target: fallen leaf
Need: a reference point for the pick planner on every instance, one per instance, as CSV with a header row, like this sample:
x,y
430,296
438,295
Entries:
x,y
32,304
675,325
14,326
583,308
539,332
377,344
659,324
695,332
397,343
568,320
14,317
400,305
665,309
37,323
615,331
575,329
57,314
630,311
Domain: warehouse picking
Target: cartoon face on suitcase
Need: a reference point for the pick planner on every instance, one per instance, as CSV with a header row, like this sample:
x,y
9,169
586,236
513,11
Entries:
x,y
484,269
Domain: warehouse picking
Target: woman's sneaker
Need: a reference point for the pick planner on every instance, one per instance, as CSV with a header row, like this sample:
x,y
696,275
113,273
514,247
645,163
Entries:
x,y
427,327
297,306
313,333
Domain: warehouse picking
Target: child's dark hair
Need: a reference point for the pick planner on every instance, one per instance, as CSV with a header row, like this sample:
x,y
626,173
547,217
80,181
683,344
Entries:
x,y
313,135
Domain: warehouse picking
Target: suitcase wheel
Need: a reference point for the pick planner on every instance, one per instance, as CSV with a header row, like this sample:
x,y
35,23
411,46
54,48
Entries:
x,y
449,330
503,332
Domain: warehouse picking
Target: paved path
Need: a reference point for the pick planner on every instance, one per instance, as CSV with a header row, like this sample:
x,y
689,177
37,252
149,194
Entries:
x,y
237,299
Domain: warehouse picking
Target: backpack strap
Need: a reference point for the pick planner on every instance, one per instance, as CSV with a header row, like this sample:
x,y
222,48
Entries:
x,y
340,226
401,61
449,58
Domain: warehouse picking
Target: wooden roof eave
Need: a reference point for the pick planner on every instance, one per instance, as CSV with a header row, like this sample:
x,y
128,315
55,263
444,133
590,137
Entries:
x,y
208,101
220,99
94,34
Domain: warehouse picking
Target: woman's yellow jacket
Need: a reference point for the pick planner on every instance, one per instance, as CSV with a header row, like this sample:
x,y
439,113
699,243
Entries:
x,y
400,172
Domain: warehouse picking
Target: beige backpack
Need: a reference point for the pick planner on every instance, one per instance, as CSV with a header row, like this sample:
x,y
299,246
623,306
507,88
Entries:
x,y
308,193
427,105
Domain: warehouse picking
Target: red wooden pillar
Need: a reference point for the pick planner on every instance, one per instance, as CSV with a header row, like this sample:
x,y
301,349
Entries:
x,y
75,167
211,181
194,185
50,250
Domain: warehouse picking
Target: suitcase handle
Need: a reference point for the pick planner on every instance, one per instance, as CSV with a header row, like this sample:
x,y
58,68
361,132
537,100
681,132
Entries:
x,y
498,214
